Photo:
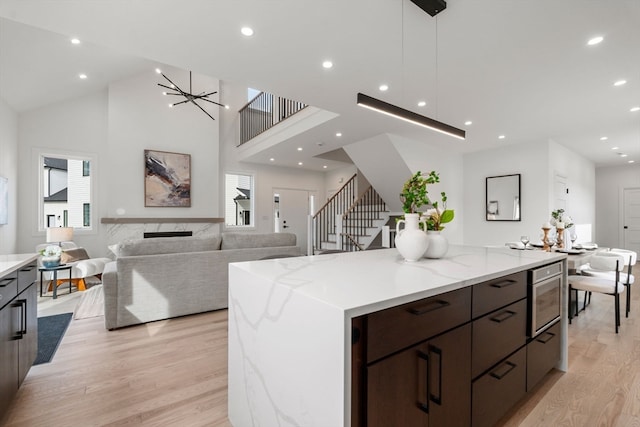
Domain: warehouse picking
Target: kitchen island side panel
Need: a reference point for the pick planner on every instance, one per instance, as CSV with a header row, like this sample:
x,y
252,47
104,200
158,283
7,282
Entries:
x,y
286,355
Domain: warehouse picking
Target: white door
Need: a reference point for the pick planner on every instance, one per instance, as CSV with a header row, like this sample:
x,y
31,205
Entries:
x,y
632,219
292,212
561,192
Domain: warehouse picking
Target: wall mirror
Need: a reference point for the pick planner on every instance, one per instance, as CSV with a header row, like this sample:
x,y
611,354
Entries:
x,y
503,198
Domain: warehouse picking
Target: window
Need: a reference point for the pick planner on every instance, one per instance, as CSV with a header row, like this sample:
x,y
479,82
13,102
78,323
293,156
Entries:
x,y
86,214
65,196
238,200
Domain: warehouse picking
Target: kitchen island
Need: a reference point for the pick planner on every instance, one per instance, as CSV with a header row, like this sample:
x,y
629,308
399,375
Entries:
x,y
293,325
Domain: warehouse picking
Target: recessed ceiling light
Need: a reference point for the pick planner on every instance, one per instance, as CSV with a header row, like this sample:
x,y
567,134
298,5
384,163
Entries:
x,y
422,103
634,109
170,105
158,70
246,31
595,40
620,83
623,155
82,76
327,64
614,148
324,166
299,148
631,161
75,41
299,163
226,107
501,137
339,134
272,159
468,123
164,93
383,88
604,138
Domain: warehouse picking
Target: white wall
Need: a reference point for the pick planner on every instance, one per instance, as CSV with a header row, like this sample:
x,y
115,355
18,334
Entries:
x,y
420,156
581,183
139,119
537,163
610,181
9,170
75,127
529,160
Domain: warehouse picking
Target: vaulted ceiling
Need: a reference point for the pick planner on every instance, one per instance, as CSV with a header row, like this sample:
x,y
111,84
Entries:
x,y
521,69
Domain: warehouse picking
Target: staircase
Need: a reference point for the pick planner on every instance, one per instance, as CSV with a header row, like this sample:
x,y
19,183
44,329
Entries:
x,y
348,223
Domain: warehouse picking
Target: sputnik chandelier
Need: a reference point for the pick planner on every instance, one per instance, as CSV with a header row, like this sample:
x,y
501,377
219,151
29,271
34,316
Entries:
x,y
189,96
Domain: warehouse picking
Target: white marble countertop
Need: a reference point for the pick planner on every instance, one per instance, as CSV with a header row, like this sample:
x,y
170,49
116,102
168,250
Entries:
x,y
11,262
363,282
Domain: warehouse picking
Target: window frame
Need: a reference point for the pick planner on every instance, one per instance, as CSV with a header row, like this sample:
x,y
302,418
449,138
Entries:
x,y
38,155
252,211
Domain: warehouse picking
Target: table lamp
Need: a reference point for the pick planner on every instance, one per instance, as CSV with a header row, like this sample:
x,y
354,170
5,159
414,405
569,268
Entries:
x,y
59,235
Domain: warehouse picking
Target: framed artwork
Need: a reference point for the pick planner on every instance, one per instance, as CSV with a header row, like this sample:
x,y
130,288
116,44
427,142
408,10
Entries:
x,y
167,179
4,200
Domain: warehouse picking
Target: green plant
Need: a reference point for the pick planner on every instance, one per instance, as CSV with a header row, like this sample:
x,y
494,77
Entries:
x,y
559,216
436,217
414,192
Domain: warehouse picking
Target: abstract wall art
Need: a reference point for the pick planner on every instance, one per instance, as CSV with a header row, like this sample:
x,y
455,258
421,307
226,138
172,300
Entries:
x,y
167,179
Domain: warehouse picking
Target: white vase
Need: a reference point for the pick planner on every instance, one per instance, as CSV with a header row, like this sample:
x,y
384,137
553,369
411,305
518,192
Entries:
x,y
438,245
411,242
50,261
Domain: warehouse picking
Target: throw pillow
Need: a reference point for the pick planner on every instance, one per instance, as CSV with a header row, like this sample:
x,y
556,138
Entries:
x,y
73,255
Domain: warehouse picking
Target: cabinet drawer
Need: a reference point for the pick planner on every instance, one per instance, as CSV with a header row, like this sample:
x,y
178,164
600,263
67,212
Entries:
x,y
8,288
498,334
543,353
26,276
498,390
402,326
491,295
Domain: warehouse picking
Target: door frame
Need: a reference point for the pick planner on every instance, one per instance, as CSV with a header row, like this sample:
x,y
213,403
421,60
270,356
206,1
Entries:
x,y
621,240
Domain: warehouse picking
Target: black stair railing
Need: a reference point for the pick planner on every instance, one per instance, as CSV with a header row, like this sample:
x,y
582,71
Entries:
x,y
324,221
360,218
263,112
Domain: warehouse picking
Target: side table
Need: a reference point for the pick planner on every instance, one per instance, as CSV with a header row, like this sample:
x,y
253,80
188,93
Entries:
x,y
55,277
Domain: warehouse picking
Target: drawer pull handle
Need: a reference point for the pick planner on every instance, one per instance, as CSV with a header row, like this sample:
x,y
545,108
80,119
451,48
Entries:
x,y
6,282
501,373
503,284
429,307
503,316
548,337
437,399
424,405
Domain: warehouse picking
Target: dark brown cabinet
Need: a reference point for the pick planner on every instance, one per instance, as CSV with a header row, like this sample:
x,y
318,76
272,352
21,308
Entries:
x,y
462,358
18,332
427,384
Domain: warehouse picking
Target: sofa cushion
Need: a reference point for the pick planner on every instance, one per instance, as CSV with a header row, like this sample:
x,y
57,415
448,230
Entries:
x,y
73,255
252,240
167,245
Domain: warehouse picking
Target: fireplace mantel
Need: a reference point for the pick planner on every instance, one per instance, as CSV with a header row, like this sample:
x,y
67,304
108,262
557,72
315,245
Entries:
x,y
125,220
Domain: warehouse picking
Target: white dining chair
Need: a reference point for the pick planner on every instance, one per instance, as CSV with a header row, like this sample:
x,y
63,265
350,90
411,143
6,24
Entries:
x,y
626,277
606,284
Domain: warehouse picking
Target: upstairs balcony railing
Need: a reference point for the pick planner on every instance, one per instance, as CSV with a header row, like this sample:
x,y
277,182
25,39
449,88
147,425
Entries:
x,y
263,112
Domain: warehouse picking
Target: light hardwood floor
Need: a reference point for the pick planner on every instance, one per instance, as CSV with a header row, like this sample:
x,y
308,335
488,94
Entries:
x,y
174,373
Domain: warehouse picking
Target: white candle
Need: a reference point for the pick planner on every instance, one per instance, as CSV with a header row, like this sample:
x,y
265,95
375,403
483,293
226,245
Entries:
x,y
560,225
546,225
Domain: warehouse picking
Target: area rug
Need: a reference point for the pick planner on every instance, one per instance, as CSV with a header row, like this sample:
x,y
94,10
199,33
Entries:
x,y
91,303
51,329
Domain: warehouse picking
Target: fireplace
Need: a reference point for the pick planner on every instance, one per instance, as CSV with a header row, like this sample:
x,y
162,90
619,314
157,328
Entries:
x,y
151,234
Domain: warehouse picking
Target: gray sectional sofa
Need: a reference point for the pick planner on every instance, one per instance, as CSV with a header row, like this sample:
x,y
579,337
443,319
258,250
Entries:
x,y
160,278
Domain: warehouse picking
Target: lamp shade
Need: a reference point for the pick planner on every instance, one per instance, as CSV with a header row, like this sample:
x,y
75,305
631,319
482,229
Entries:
x,y
59,234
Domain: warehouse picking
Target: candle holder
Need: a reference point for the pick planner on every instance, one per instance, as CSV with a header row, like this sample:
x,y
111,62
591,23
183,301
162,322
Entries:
x,y
559,238
545,239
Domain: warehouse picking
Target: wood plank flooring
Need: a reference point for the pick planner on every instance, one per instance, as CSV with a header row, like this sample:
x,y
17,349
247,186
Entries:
x,y
174,373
